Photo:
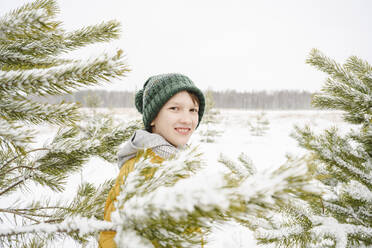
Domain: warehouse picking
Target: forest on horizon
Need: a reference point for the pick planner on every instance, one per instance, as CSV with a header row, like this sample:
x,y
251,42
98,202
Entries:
x,y
263,100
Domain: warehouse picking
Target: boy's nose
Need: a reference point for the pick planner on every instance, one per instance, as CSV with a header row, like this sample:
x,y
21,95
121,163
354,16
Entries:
x,y
186,118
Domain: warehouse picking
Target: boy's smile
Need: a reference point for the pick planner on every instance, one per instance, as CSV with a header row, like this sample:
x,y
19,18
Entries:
x,y
183,131
177,119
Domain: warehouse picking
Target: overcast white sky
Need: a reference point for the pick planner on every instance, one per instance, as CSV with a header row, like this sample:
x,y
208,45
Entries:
x,y
227,44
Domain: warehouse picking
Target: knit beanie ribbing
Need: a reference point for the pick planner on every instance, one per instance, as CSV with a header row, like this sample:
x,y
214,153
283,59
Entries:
x,y
158,89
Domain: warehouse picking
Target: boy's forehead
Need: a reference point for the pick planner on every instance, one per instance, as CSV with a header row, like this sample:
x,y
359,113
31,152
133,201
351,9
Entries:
x,y
182,98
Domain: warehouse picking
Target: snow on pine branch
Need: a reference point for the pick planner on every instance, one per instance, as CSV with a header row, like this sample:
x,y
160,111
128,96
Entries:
x,y
180,192
239,172
14,136
193,196
28,21
17,56
43,52
96,132
339,73
12,22
358,191
350,159
329,226
322,228
179,200
52,45
348,87
281,233
21,108
349,168
64,78
80,225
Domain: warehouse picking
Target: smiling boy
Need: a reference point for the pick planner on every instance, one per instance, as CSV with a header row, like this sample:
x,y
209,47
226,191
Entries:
x,y
177,119
172,108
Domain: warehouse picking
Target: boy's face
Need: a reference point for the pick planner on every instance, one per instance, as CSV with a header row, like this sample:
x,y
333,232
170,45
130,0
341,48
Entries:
x,y
177,119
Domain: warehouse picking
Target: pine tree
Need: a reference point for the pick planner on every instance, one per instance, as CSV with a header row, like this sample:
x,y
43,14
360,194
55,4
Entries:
x,y
177,204
92,100
210,117
342,216
165,207
32,43
260,124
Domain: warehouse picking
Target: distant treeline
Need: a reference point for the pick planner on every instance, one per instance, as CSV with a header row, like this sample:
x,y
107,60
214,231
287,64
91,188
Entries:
x,y
282,99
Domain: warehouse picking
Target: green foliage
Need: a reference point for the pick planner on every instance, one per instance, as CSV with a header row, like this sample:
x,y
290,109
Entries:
x,y
260,125
211,116
341,217
31,44
175,205
348,87
92,100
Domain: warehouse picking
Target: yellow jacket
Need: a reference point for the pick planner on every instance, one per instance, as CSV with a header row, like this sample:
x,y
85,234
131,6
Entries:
x,y
106,238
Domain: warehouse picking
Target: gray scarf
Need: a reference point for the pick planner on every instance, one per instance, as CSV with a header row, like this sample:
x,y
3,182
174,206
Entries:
x,y
142,139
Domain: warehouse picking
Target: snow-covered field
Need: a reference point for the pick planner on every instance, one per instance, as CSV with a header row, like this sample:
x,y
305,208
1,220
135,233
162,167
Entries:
x,y
266,151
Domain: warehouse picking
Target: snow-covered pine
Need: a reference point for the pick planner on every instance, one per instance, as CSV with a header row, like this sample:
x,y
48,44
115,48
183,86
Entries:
x,y
243,170
180,202
63,78
175,206
28,111
342,216
31,44
81,225
259,125
33,20
211,116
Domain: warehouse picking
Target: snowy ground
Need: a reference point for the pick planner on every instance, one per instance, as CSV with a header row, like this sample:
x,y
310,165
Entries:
x,y
265,151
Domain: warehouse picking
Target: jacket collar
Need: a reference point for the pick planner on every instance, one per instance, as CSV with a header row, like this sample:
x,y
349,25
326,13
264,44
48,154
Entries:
x,y
142,139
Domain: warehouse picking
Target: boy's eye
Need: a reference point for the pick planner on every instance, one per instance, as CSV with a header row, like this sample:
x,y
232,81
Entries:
x,y
173,108
194,110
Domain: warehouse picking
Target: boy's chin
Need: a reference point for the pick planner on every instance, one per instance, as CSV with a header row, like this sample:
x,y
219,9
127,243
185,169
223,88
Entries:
x,y
180,143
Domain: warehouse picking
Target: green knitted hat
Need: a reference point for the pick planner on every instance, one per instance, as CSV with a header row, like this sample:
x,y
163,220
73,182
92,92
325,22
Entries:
x,y
158,89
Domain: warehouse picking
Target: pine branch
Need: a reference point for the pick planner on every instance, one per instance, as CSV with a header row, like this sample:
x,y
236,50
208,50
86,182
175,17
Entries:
x,y
342,234
336,71
164,212
72,147
342,97
2,167
13,59
88,202
31,54
25,213
52,45
335,151
342,164
13,185
30,42
102,32
240,172
77,227
67,153
343,90
81,225
32,21
14,137
361,68
63,79
50,220
310,228
30,112
247,163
